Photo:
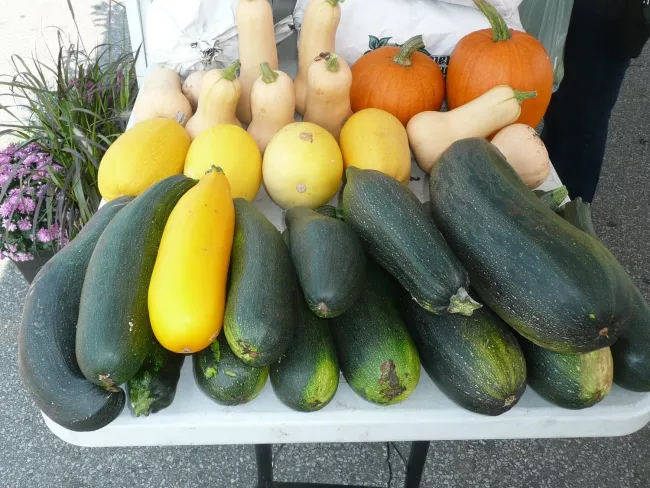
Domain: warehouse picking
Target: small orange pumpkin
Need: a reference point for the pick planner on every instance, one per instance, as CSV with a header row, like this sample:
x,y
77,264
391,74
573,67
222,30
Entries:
x,y
400,81
500,56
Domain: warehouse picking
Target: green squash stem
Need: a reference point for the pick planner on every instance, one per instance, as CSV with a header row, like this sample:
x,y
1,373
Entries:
x,y
268,74
463,304
334,3
499,27
332,61
406,52
524,95
230,73
140,395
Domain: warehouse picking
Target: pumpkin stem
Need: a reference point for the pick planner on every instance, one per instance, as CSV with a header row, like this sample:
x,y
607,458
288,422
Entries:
x,y
520,96
403,57
268,75
332,61
499,27
333,3
230,73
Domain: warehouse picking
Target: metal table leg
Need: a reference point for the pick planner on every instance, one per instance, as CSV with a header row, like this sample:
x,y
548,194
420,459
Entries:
x,y
415,466
264,458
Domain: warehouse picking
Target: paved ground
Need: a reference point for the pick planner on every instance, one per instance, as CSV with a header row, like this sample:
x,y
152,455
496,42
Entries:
x,y
30,456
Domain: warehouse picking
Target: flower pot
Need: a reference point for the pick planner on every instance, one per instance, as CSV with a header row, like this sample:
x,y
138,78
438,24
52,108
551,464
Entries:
x,y
30,268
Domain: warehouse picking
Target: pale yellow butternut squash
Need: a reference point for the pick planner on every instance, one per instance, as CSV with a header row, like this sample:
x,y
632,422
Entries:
x,y
525,152
192,87
161,96
431,133
273,104
256,45
220,92
328,93
319,24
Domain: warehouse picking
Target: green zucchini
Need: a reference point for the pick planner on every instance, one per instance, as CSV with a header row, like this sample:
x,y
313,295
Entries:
x,y
553,198
401,238
631,352
154,385
569,380
329,261
224,378
476,361
46,341
375,351
554,284
114,333
260,310
307,376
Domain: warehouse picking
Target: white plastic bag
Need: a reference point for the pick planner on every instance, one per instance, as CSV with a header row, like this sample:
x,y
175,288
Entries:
x,y
369,24
196,34
507,8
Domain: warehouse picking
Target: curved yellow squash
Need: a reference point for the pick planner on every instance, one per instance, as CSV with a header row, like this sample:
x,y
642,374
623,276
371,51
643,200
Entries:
x,y
187,292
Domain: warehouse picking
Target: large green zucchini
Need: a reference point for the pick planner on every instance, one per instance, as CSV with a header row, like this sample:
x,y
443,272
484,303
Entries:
x,y
569,380
260,309
307,376
114,333
329,260
46,341
554,284
224,377
631,352
476,361
154,385
401,238
375,351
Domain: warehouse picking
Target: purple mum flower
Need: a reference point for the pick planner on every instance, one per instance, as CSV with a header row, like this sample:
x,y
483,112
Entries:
x,y
43,235
24,224
9,225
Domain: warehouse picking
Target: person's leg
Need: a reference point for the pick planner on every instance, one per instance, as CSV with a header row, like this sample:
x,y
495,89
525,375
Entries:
x,y
577,119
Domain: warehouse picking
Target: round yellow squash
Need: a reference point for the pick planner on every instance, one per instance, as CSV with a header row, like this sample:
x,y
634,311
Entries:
x,y
187,291
303,166
235,151
150,151
376,139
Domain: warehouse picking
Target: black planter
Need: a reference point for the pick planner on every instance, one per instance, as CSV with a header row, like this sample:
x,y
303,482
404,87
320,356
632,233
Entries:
x,y
30,268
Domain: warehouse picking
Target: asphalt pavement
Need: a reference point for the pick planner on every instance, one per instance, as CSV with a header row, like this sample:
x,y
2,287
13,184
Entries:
x,y
31,456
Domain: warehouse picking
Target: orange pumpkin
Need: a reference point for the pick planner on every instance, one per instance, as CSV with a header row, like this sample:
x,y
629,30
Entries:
x,y
400,81
500,56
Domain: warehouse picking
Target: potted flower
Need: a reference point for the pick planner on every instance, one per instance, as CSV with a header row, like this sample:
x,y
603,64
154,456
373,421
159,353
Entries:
x,y
31,233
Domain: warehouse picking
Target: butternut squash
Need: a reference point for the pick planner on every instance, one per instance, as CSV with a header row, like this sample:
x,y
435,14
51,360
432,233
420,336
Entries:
x,y
328,93
431,133
256,45
220,92
187,291
192,87
319,24
161,96
273,103
525,152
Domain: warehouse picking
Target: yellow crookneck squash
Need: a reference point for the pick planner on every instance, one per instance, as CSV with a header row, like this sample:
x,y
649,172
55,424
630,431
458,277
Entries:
x,y
187,291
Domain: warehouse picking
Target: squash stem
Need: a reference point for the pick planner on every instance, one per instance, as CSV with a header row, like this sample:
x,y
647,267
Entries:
x,y
403,57
463,304
268,74
214,168
332,61
520,96
230,73
500,29
334,3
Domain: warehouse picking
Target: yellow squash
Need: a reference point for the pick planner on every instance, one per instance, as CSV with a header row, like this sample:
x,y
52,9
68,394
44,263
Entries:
x,y
235,151
187,291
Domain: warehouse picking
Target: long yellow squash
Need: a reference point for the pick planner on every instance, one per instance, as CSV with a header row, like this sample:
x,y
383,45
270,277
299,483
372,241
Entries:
x,y
187,292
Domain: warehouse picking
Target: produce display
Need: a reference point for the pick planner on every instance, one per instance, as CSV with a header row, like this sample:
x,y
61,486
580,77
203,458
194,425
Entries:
x,y
328,93
218,98
256,36
375,139
273,105
187,290
500,56
399,80
491,285
145,154
319,24
162,96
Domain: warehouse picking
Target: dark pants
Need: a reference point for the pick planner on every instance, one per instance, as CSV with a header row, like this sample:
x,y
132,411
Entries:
x,y
576,122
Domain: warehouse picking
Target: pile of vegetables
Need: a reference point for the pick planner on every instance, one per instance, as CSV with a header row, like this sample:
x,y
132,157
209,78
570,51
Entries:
x,y
489,286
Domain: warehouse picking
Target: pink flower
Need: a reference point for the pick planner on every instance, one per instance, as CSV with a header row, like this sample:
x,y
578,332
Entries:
x,y
9,225
43,235
11,247
29,205
24,224
6,209
24,256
